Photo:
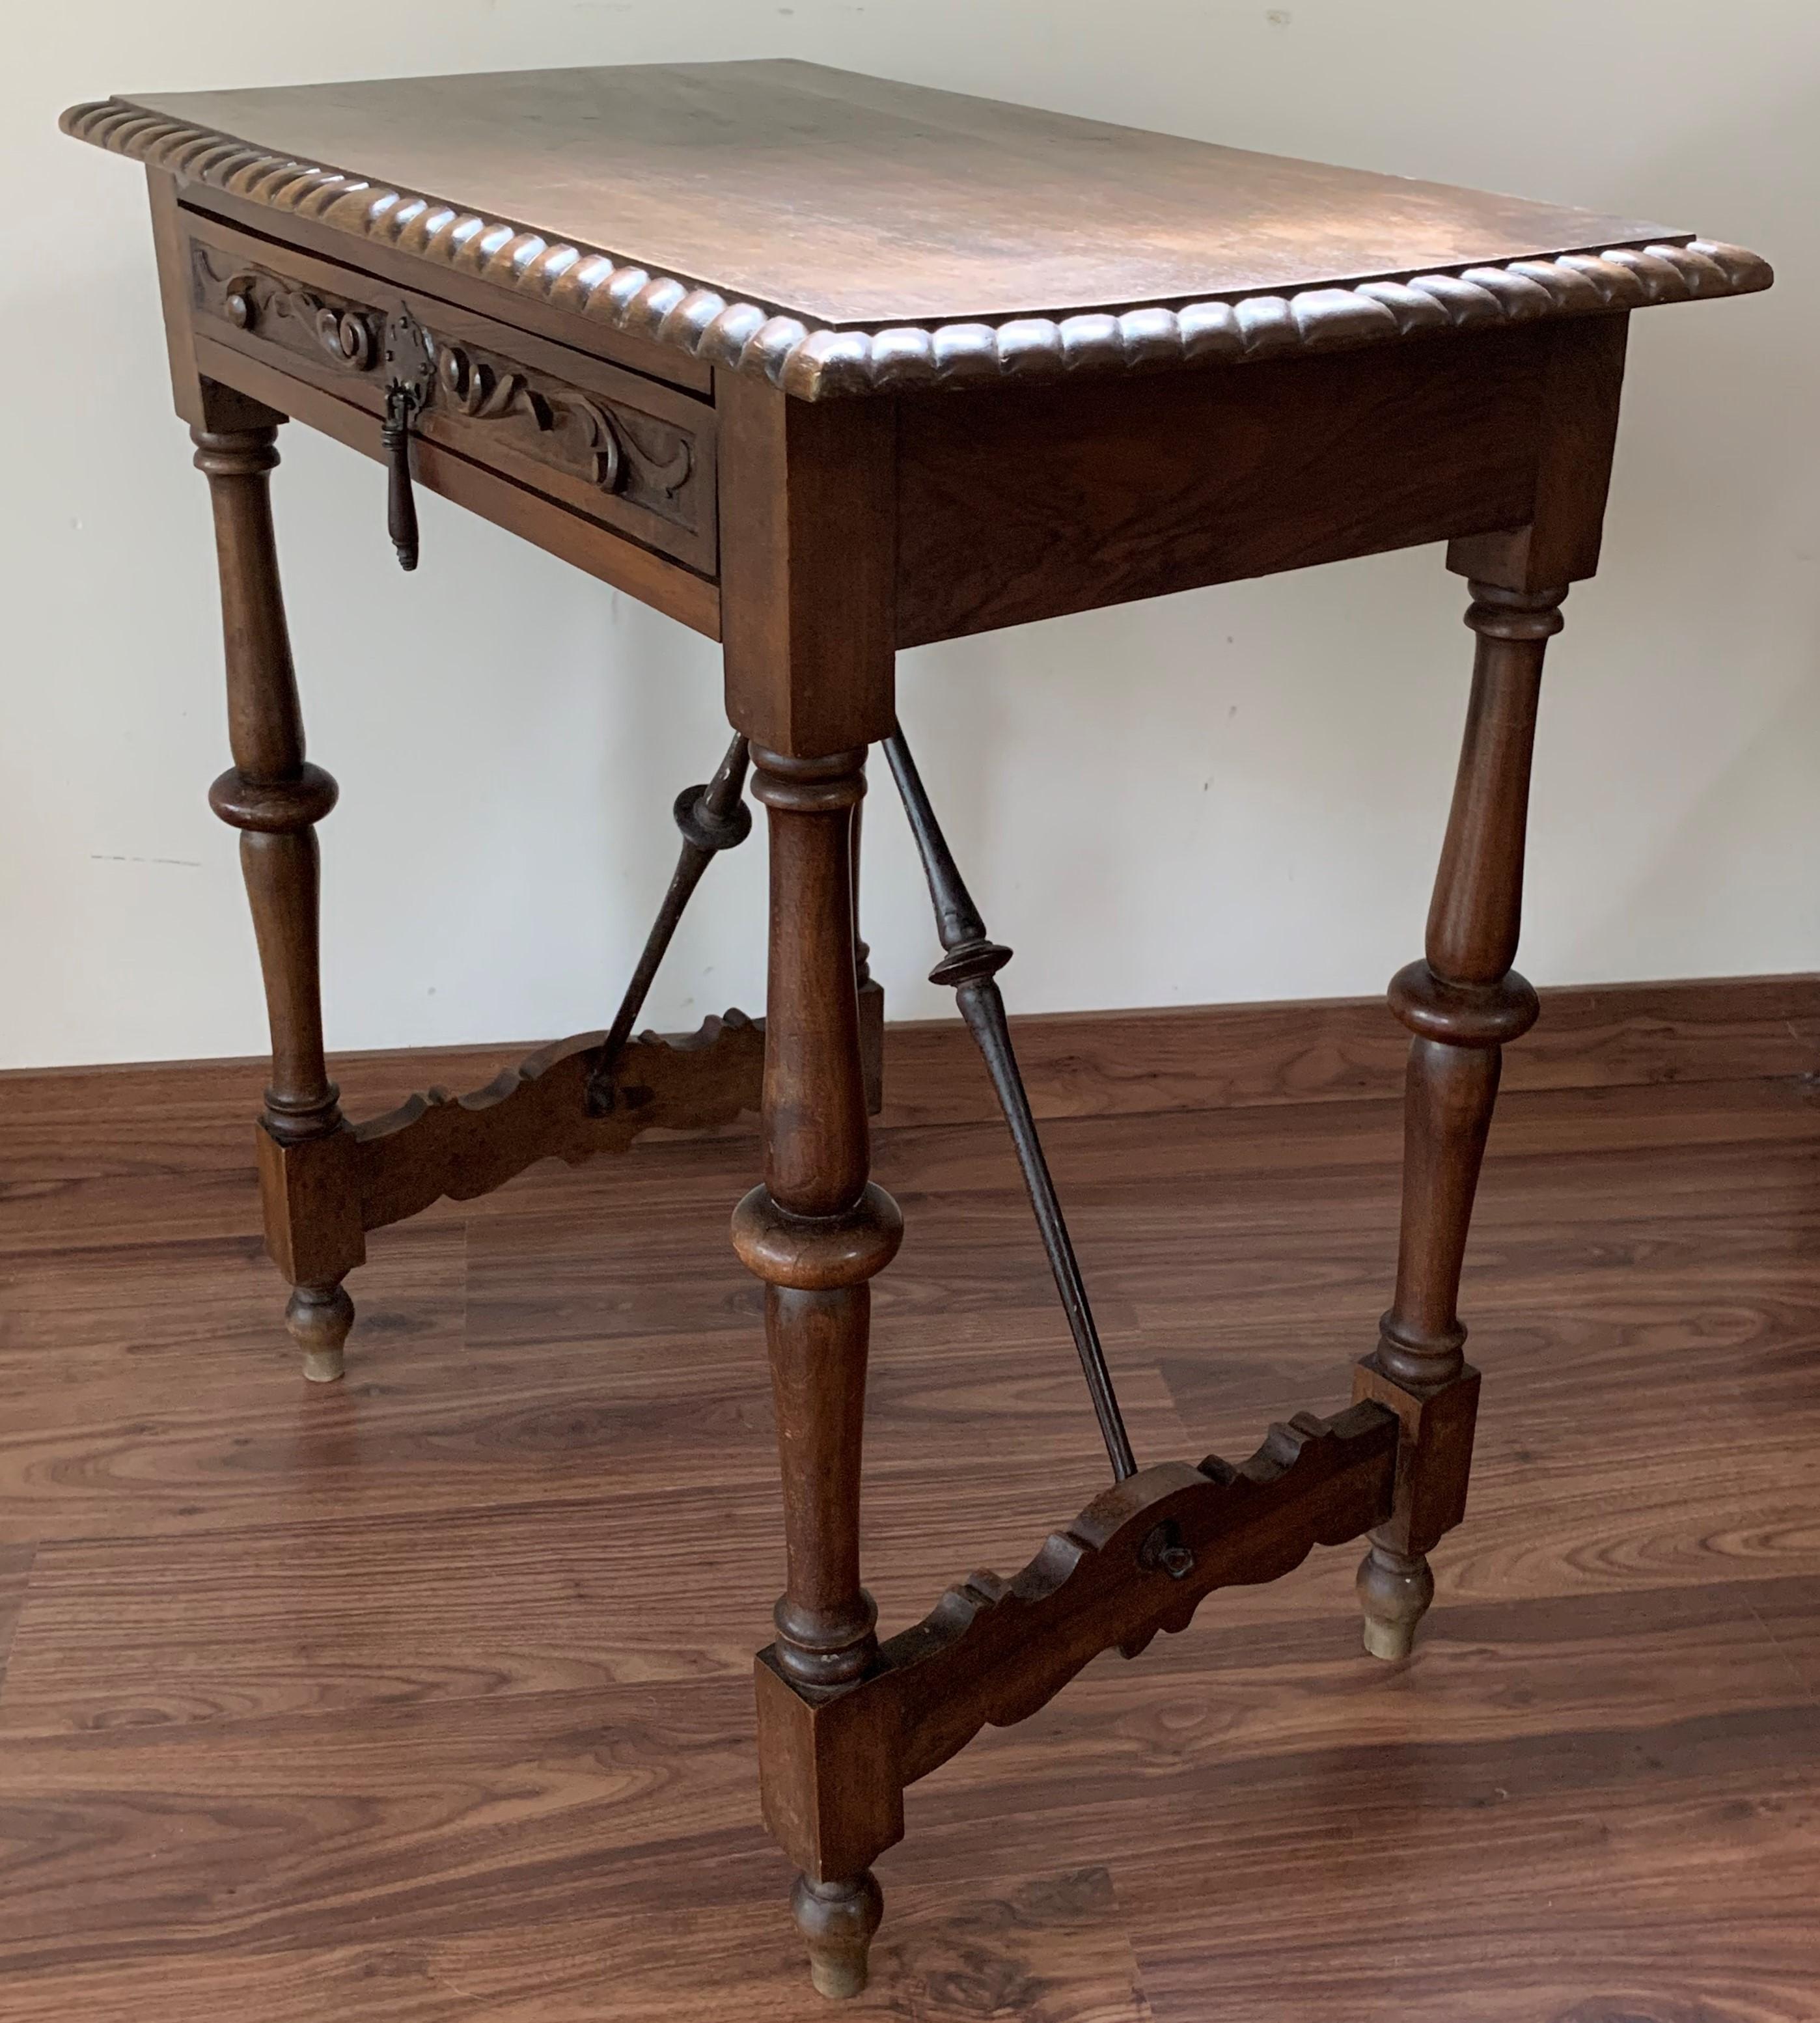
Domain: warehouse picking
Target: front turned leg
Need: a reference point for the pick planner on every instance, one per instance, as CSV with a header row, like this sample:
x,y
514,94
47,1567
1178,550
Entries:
x,y
275,797
1461,1005
815,1232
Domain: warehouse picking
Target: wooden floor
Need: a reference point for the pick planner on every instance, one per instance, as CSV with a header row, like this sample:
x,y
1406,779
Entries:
x,y
425,1698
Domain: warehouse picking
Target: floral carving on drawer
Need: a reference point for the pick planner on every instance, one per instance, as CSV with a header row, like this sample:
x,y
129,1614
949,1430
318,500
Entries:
x,y
602,443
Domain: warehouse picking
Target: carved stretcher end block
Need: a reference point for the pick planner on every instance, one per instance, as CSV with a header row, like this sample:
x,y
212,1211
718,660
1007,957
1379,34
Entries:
x,y
310,1194
831,1772
1434,1453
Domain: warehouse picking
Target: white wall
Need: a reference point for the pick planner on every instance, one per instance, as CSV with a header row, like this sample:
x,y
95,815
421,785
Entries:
x,y
1234,793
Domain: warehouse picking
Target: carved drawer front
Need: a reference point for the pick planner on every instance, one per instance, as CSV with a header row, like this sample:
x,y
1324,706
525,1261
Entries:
x,y
632,453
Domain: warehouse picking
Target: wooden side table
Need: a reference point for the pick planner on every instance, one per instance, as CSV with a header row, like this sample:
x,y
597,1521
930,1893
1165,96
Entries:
x,y
824,367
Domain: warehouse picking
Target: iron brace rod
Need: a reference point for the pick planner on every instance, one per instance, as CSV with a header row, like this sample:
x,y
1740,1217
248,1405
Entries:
x,y
712,818
970,966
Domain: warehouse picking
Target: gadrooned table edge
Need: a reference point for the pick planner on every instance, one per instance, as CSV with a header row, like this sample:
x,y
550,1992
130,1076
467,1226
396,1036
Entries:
x,y
816,363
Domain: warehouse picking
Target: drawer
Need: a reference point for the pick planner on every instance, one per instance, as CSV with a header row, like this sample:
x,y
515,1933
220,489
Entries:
x,y
631,454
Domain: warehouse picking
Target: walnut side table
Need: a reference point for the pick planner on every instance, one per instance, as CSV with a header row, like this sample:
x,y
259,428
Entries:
x,y
823,367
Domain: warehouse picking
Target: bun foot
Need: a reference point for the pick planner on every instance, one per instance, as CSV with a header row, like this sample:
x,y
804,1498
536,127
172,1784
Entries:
x,y
1394,1591
837,1920
319,1318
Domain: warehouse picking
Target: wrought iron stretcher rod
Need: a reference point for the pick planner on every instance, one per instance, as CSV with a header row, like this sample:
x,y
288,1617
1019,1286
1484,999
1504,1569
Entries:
x,y
970,968
713,818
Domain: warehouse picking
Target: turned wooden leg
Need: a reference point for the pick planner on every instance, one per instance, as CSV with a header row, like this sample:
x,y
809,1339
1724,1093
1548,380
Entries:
x,y
1462,1004
275,797
815,1232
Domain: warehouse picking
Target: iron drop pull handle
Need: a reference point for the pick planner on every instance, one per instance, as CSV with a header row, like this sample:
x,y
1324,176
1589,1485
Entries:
x,y
402,403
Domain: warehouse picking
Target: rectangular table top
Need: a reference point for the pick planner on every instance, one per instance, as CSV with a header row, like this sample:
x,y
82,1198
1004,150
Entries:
x,y
846,200
839,202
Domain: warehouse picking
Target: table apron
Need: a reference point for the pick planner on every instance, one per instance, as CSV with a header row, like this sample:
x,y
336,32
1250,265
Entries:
x,y
1024,502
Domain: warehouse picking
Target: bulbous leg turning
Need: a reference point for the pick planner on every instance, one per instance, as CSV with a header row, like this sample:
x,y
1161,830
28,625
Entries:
x,y
319,1318
1395,1589
837,1920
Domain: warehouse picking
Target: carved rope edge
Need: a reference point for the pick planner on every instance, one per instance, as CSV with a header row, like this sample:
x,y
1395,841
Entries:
x,y
817,363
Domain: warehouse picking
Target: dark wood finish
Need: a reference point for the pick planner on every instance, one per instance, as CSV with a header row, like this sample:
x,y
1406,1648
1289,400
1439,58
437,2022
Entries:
x,y
271,794
167,242
1576,431
808,547
536,313
325,1184
636,455
1034,245
1139,1560
809,235
275,797
440,1145
897,196
816,1231
1462,1004
207,374
1026,503
546,523
324,1193
429,1697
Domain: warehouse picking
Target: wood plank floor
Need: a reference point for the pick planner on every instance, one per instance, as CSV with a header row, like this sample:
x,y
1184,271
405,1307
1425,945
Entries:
x,y
425,1698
